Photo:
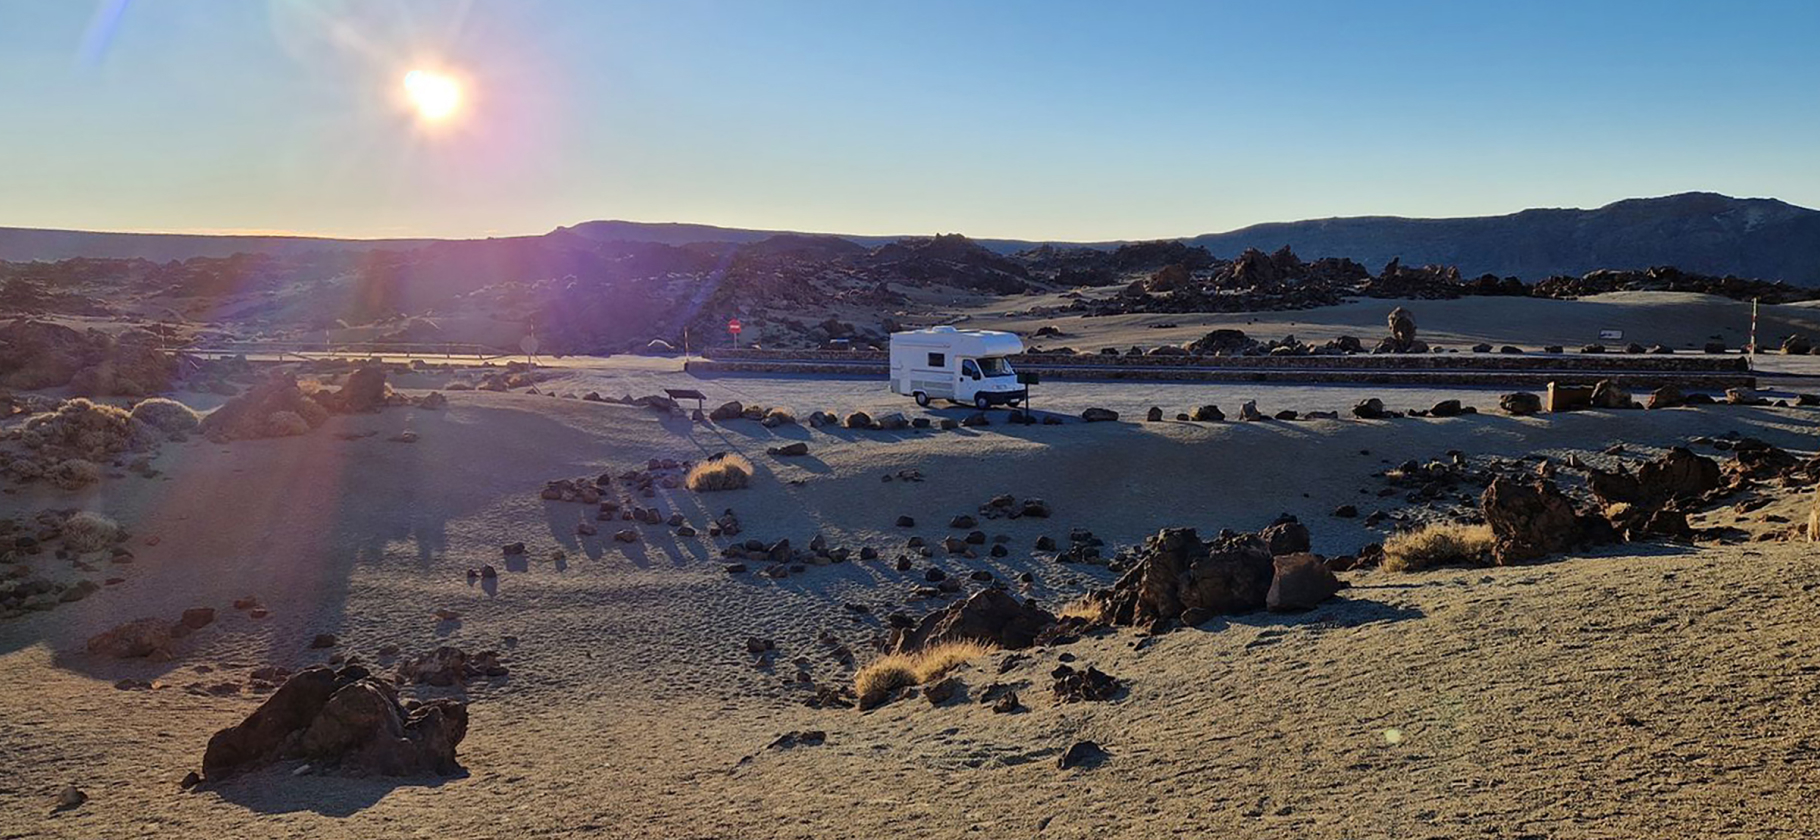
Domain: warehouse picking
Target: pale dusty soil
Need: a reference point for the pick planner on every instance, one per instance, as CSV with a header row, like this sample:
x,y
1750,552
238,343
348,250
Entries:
x,y
1651,691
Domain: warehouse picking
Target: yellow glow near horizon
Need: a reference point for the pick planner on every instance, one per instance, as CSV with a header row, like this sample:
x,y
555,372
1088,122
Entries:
x,y
434,95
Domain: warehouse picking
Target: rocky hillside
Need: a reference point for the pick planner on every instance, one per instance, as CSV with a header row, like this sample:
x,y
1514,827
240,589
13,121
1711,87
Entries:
x,y
1704,233
1698,232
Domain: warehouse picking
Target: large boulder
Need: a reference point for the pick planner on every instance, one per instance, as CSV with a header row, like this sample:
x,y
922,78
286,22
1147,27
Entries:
x,y
251,414
129,370
1223,341
1678,476
1402,326
731,410
1301,582
1176,572
989,616
1529,520
150,638
1099,415
1521,403
343,721
44,354
1285,536
365,390
1606,394
1667,396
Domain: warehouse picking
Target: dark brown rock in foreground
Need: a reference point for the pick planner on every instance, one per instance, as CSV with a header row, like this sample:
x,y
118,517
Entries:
x,y
1302,582
1531,520
1177,572
989,616
342,721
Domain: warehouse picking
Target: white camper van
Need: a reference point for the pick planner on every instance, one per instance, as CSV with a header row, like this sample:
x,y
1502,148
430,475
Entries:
x,y
964,366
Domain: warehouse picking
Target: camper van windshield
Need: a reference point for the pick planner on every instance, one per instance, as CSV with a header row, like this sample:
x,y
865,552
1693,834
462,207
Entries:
x,y
995,366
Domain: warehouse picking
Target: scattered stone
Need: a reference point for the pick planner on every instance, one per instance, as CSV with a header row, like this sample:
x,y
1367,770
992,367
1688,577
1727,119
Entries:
x,y
1208,414
942,691
71,797
1521,403
807,738
1091,685
1086,754
149,638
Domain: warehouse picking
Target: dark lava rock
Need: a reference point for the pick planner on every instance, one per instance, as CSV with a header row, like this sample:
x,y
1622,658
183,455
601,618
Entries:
x,y
342,721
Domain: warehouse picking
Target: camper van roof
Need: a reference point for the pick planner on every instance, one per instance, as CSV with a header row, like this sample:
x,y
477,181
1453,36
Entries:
x,y
974,342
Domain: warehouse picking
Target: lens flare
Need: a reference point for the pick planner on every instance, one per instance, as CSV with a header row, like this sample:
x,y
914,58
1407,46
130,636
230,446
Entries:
x,y
435,96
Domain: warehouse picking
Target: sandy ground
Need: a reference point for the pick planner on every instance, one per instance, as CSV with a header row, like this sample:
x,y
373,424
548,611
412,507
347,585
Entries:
x,y
1651,691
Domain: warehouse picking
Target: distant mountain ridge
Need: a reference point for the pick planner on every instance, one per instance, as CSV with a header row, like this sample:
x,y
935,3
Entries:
x,y
1700,232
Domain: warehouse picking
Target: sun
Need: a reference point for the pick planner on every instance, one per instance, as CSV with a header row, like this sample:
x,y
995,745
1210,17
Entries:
x,y
435,96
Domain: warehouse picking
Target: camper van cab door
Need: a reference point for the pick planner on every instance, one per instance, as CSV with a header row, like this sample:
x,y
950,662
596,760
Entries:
x,y
968,381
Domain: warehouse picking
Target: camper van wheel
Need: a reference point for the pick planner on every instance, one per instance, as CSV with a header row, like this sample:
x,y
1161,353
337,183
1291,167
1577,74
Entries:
x,y
922,399
1014,403
980,402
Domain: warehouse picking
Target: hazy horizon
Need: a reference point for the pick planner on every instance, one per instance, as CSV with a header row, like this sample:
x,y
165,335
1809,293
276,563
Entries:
x,y
1022,120
846,233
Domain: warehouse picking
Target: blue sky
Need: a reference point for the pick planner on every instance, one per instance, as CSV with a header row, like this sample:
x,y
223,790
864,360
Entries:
x,y
1039,120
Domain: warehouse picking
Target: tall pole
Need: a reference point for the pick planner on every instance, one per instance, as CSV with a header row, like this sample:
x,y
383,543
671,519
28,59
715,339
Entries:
x,y
1752,347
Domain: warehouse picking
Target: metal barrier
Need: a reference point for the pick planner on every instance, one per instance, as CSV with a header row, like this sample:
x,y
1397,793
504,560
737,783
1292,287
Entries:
x,y
311,350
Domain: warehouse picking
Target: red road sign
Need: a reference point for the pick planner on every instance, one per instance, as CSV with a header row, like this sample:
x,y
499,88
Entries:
x,y
733,326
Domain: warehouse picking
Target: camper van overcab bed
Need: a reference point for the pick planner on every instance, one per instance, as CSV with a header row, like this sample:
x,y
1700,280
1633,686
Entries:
x,y
963,366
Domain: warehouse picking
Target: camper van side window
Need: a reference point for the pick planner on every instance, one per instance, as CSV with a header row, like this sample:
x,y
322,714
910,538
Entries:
x,y
938,360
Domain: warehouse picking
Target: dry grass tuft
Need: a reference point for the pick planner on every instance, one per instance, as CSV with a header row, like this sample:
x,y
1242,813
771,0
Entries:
x,y
1085,607
167,416
89,531
896,670
74,473
731,472
1437,544
286,424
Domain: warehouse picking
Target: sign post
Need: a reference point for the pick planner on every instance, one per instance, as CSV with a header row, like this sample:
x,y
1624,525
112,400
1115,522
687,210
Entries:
x,y
1027,378
734,328
1751,348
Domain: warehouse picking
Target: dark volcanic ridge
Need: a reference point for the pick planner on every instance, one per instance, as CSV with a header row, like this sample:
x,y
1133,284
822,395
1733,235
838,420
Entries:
x,y
1697,231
